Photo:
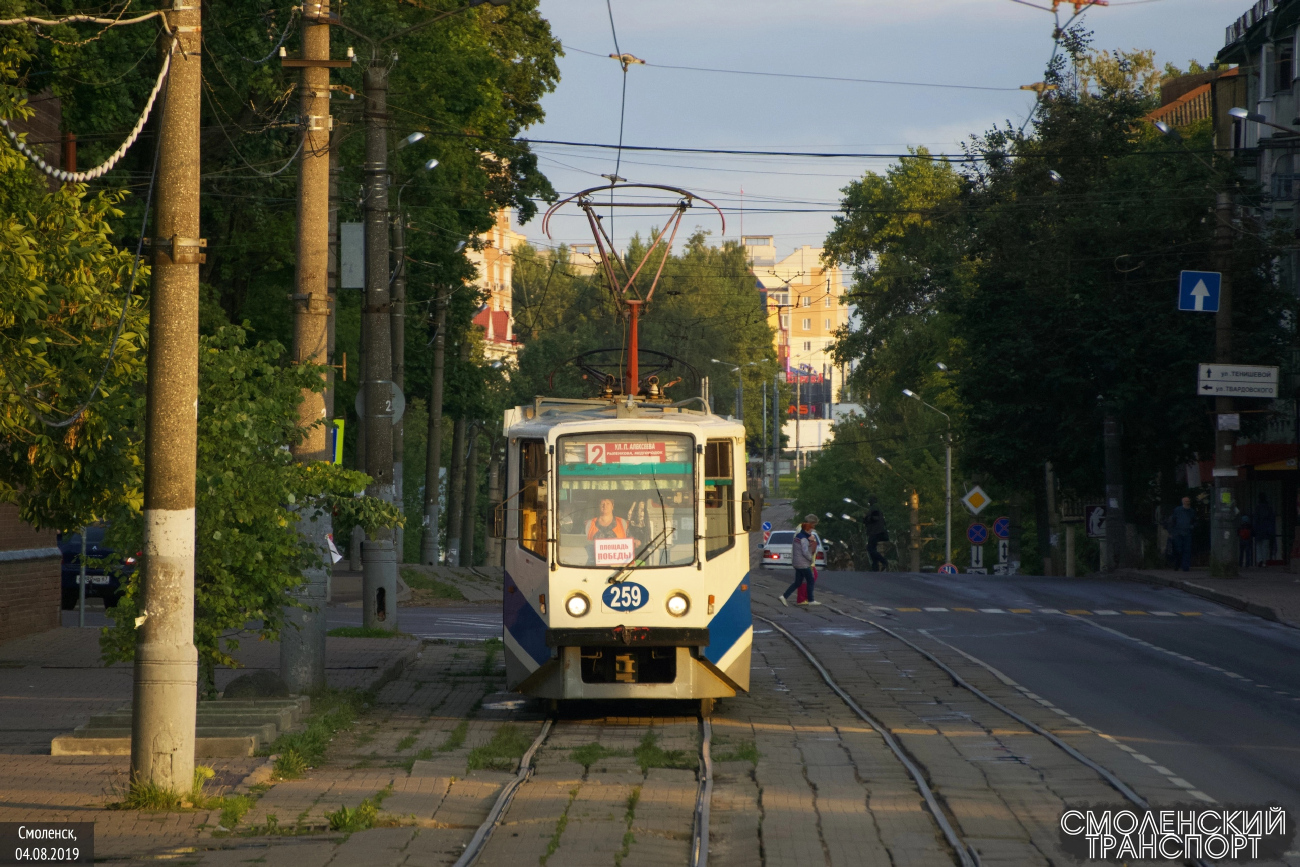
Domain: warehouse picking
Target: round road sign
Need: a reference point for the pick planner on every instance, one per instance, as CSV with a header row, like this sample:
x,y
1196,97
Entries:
x,y
1002,527
947,569
977,533
767,525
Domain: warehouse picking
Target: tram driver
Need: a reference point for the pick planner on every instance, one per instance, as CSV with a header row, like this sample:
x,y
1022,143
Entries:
x,y
606,525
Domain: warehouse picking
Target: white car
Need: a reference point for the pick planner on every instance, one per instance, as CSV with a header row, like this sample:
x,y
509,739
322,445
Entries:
x,y
777,550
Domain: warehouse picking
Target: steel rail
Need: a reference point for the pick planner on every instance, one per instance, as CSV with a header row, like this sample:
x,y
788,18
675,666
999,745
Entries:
x,y
964,853
474,847
1114,781
703,798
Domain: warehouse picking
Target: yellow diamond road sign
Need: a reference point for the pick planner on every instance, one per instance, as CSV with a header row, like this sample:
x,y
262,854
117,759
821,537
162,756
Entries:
x,y
976,500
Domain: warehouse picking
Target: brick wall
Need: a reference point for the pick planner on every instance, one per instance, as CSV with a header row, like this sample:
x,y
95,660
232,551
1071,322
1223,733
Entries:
x,y
29,586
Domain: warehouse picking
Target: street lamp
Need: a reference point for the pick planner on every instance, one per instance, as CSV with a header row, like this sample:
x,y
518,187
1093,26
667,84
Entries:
x,y
740,387
915,503
947,545
1240,114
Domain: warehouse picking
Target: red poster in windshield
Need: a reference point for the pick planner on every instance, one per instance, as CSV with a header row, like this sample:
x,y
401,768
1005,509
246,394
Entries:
x,y
626,453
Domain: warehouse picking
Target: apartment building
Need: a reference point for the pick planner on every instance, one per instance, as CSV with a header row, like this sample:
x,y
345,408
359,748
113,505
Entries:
x,y
805,306
495,263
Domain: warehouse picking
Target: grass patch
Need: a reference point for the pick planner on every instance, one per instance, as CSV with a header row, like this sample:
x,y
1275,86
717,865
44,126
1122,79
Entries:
x,y
554,842
438,589
406,743
455,738
492,646
359,818
650,755
588,754
422,756
149,797
233,810
503,752
628,837
745,751
333,710
365,632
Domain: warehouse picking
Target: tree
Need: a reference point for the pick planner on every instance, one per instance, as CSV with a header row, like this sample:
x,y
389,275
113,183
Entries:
x,y
71,336
249,554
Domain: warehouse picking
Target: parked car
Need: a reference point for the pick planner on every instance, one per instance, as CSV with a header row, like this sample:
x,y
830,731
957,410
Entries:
x,y
777,550
101,582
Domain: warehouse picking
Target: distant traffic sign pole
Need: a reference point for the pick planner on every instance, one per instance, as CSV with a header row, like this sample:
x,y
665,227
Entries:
x,y
1223,549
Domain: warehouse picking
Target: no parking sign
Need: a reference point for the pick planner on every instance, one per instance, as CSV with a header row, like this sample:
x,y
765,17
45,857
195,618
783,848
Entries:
x,y
947,569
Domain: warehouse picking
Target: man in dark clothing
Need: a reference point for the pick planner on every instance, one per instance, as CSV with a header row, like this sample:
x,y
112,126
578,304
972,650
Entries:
x,y
876,532
1264,523
1181,524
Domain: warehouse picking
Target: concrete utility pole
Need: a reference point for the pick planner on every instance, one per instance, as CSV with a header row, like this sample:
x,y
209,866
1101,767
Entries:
x,y
302,641
397,325
378,559
433,455
165,697
495,547
1223,546
469,515
1116,555
456,490
776,434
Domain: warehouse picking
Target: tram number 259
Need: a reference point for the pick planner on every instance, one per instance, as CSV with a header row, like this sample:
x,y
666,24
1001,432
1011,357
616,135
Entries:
x,y
625,597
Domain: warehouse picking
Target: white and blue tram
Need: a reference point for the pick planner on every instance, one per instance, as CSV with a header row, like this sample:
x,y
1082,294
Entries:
x,y
626,555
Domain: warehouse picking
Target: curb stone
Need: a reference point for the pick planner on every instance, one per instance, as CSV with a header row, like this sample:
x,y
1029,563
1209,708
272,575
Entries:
x,y
1209,593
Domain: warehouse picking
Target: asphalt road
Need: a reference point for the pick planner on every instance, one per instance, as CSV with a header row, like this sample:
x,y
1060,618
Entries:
x,y
1210,693
450,623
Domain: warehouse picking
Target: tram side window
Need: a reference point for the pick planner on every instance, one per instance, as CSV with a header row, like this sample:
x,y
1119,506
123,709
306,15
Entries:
x,y
532,499
719,498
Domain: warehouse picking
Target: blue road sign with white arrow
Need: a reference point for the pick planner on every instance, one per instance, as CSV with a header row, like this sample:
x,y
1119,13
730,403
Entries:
x,y
1198,291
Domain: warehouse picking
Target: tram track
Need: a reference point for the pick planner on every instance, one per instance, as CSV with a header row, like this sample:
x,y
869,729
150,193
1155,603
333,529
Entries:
x,y
965,853
497,815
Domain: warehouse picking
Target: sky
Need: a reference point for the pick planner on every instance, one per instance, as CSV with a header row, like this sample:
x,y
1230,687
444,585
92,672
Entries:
x,y
995,44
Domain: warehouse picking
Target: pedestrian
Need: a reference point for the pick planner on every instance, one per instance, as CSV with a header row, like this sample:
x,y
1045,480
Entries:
x,y
1264,524
1181,524
877,532
1245,543
803,556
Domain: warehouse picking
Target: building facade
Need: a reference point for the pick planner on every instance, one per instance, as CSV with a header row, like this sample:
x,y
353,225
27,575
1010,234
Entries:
x,y
495,262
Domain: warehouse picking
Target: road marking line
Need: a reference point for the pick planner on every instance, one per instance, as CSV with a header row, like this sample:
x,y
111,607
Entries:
x,y
907,609
1021,611
1105,612
971,610
1181,783
1135,612
936,609
1049,611
1164,614
1191,613
1077,611
1143,759
1163,770
993,611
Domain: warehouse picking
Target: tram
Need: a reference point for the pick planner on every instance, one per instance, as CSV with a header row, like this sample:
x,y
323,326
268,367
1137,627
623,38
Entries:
x,y
626,555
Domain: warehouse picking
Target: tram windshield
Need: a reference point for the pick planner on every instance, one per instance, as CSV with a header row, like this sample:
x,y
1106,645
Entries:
x,y
626,499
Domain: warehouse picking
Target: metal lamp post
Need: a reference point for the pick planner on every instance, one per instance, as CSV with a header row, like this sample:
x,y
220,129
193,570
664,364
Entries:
x,y
914,501
947,542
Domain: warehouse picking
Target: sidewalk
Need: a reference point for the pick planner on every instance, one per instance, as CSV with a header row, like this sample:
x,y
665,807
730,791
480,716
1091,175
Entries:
x,y
1271,593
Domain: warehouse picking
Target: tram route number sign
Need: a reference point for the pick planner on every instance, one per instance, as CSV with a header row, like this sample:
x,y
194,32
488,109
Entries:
x,y
614,552
626,453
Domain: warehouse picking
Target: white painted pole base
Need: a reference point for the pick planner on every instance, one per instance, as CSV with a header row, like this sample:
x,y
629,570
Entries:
x,y
379,584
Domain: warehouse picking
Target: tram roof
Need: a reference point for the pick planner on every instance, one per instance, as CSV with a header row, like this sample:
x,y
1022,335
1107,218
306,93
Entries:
x,y
546,413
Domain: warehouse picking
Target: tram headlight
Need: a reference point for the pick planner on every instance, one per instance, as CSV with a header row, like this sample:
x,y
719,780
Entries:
x,y
577,605
678,604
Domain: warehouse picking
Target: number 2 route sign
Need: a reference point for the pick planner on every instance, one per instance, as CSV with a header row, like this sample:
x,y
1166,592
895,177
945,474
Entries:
x,y
1198,291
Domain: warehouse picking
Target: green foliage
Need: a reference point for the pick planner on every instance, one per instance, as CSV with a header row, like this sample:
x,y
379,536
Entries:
x,y
705,307
440,589
649,754
359,818
1047,300
745,751
251,495
63,284
455,738
503,752
332,711
588,754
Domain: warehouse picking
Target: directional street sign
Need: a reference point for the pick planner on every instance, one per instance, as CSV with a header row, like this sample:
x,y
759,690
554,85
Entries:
x,y
947,569
1004,551
1237,380
1002,527
976,500
767,531
767,525
1198,291
976,557
978,535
